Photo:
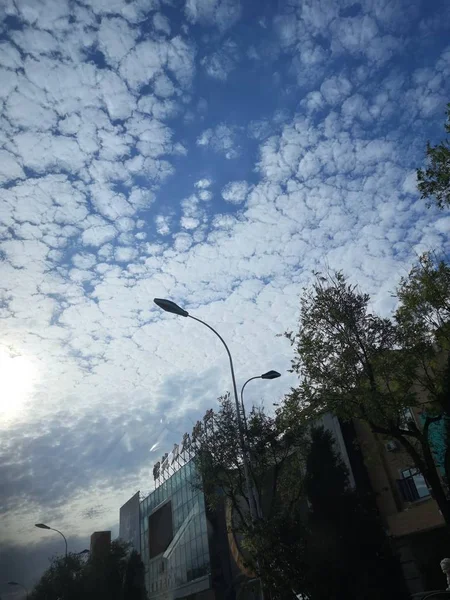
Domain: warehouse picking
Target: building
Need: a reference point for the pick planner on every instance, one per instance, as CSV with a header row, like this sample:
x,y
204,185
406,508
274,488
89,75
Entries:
x,y
411,516
100,543
179,541
188,550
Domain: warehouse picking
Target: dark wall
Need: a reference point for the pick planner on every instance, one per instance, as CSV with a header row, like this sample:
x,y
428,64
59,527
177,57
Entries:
x,y
160,529
221,561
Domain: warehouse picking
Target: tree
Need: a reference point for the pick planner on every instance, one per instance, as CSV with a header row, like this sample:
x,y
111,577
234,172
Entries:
x,y
115,575
357,364
424,319
63,579
274,541
434,180
347,552
134,580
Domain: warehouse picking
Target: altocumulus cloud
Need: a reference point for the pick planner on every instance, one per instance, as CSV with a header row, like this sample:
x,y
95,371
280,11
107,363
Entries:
x,y
200,152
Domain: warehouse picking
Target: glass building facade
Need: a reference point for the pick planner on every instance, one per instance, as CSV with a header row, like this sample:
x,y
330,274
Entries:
x,y
174,537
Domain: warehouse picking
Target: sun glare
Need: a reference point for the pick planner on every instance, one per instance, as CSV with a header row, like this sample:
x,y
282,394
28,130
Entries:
x,y
17,377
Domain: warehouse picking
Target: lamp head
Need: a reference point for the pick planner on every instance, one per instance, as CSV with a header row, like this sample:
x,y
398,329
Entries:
x,y
42,526
271,375
170,306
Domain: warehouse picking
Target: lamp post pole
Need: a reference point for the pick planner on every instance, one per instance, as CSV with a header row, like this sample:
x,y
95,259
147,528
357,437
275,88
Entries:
x,y
245,463
268,375
43,526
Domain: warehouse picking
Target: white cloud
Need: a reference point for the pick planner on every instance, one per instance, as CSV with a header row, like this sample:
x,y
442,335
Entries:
x,y
161,23
221,139
205,195
98,232
335,89
164,87
116,39
235,192
219,13
203,183
189,223
163,224
125,254
182,242
10,168
219,64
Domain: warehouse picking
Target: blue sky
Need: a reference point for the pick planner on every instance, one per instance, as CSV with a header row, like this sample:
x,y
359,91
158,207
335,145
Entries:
x,y
215,152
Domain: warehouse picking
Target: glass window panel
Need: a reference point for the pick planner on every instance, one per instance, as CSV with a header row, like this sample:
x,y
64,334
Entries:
x,y
202,524
421,486
205,561
205,545
188,554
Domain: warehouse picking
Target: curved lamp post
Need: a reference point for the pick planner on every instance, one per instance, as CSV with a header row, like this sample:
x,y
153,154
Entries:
x,y
268,375
173,308
42,526
20,585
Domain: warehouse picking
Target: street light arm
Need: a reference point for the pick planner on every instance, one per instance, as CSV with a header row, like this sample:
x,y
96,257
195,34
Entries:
x,y
242,400
60,533
233,377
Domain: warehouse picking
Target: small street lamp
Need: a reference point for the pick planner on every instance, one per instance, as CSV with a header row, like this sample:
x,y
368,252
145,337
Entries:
x,y
43,526
268,375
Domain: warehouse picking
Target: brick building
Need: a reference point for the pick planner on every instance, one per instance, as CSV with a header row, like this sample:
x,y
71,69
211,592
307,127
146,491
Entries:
x,y
411,516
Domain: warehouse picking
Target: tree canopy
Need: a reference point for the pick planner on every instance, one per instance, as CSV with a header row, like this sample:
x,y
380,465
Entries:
x,y
116,575
434,181
274,540
360,365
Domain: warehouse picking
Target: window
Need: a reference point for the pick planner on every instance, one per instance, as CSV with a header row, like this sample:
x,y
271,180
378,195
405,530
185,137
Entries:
x,y
412,485
160,529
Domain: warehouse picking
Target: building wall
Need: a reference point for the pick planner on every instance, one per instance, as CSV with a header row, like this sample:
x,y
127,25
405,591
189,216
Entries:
x,y
415,527
384,470
129,524
100,543
183,567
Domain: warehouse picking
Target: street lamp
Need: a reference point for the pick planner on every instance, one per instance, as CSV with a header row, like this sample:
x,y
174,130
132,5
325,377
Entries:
x,y
43,526
20,585
268,375
173,308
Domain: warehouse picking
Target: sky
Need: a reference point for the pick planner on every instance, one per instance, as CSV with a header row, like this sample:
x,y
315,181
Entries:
x,y
215,152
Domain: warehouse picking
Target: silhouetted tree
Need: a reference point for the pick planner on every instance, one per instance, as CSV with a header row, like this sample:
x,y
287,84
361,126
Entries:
x,y
114,575
359,365
348,556
434,180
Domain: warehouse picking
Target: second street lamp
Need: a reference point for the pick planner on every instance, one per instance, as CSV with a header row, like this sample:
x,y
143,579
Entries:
x,y
43,526
268,375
